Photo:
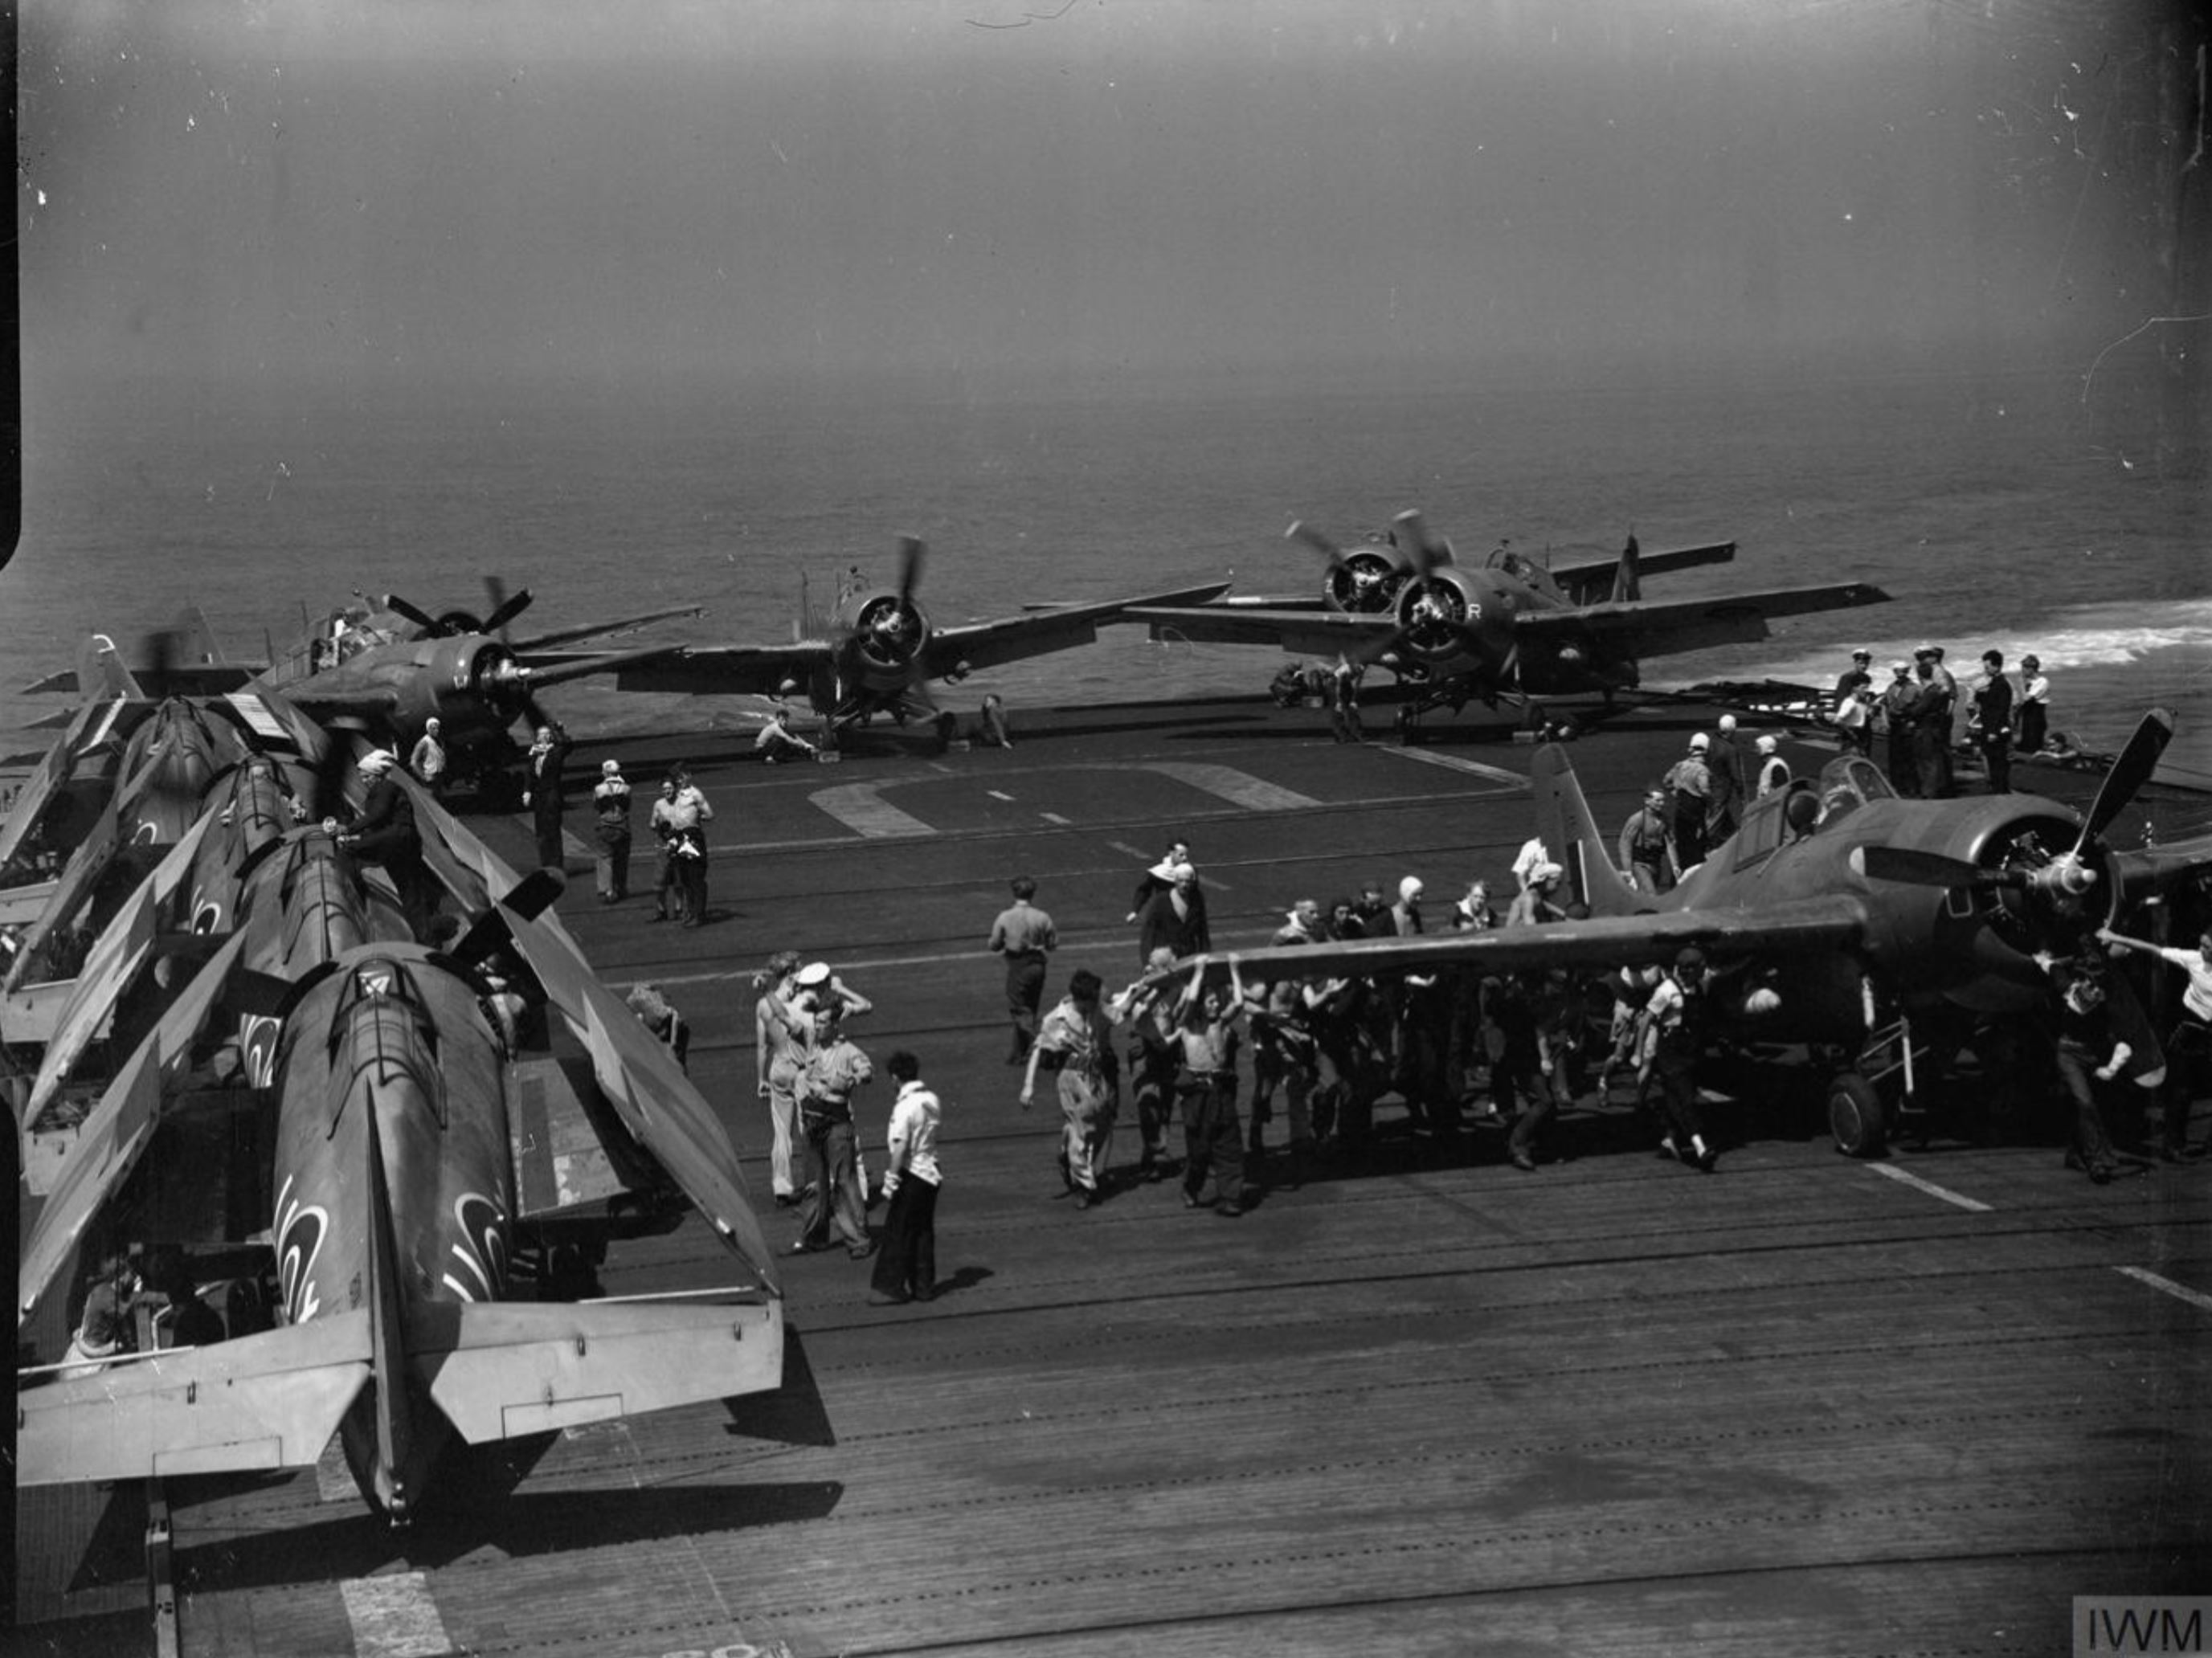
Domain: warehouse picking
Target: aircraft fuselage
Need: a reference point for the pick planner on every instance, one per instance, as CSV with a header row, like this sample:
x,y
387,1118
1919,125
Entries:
x,y
390,1147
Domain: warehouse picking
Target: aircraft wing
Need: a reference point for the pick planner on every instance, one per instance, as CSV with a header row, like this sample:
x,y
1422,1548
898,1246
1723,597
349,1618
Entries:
x,y
501,1369
279,727
174,679
92,724
270,1400
524,649
554,668
1012,639
2139,873
114,1135
1642,629
1314,631
1838,922
657,1102
115,960
762,669
758,670
1666,559
86,864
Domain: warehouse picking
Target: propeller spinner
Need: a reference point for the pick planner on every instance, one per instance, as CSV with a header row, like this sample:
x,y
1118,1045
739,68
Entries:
x,y
1362,582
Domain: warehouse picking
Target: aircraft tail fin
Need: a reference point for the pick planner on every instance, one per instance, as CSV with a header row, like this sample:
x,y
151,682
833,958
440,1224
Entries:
x,y
1568,831
1628,581
502,1369
101,671
270,1400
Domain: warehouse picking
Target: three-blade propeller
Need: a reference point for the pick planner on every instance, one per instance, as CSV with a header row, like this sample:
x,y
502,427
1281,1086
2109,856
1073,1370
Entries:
x,y
449,624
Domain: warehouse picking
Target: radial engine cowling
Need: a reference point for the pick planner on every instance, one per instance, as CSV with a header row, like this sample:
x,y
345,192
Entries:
x,y
1365,582
889,632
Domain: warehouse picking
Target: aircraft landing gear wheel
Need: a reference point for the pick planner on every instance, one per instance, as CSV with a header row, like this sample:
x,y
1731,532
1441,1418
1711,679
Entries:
x,y
1856,1117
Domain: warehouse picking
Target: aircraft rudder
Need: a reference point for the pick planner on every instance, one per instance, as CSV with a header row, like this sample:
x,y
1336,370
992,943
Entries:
x,y
100,672
1566,826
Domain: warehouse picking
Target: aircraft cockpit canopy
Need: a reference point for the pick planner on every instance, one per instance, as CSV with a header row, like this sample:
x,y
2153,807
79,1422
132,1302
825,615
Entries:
x,y
1520,568
1849,782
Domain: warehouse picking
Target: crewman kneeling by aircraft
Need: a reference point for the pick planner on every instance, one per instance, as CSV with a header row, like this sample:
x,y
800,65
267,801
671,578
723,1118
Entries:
x,y
1674,1043
777,742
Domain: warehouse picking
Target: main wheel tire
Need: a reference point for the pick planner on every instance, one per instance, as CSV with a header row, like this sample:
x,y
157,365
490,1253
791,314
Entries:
x,y
1856,1117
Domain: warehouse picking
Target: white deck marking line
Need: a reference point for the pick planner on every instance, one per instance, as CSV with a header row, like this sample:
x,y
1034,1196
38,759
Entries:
x,y
1431,757
1892,1172
333,1478
1123,846
1239,789
860,807
2180,1291
998,794
394,1617
1053,817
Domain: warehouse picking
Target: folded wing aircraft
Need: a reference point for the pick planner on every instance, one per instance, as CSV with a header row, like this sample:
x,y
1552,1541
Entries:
x,y
1510,627
1838,915
877,652
390,667
426,1172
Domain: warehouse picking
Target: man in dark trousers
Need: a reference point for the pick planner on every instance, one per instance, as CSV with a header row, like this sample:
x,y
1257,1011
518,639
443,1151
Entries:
x,y
1990,720
906,1269
1725,765
1175,919
1931,727
541,791
1026,936
2089,1054
385,833
1689,785
1899,698
1672,1044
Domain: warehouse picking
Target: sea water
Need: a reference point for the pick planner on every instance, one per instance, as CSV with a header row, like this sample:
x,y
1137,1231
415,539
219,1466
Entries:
x,y
2028,510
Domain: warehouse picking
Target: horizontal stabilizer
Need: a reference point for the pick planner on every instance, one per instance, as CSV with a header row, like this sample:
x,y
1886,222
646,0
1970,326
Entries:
x,y
499,1371
270,1400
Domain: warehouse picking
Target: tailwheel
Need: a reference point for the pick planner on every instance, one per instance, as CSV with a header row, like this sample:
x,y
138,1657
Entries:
x,y
1856,1117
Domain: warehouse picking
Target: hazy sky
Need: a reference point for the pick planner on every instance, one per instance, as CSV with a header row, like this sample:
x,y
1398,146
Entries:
x,y
983,186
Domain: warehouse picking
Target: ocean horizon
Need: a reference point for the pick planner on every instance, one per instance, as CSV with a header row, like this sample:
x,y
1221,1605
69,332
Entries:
x,y
2024,509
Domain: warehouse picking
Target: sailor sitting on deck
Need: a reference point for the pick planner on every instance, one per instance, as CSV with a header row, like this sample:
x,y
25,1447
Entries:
x,y
777,742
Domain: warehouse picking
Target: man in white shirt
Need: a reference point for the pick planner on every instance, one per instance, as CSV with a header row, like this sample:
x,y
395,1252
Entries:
x,y
906,1267
679,817
428,759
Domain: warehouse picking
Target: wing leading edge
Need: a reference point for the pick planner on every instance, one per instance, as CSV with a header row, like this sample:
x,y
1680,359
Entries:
x,y
1836,923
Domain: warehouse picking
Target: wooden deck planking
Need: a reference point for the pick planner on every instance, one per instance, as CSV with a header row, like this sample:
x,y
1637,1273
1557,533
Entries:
x,y
1424,1403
